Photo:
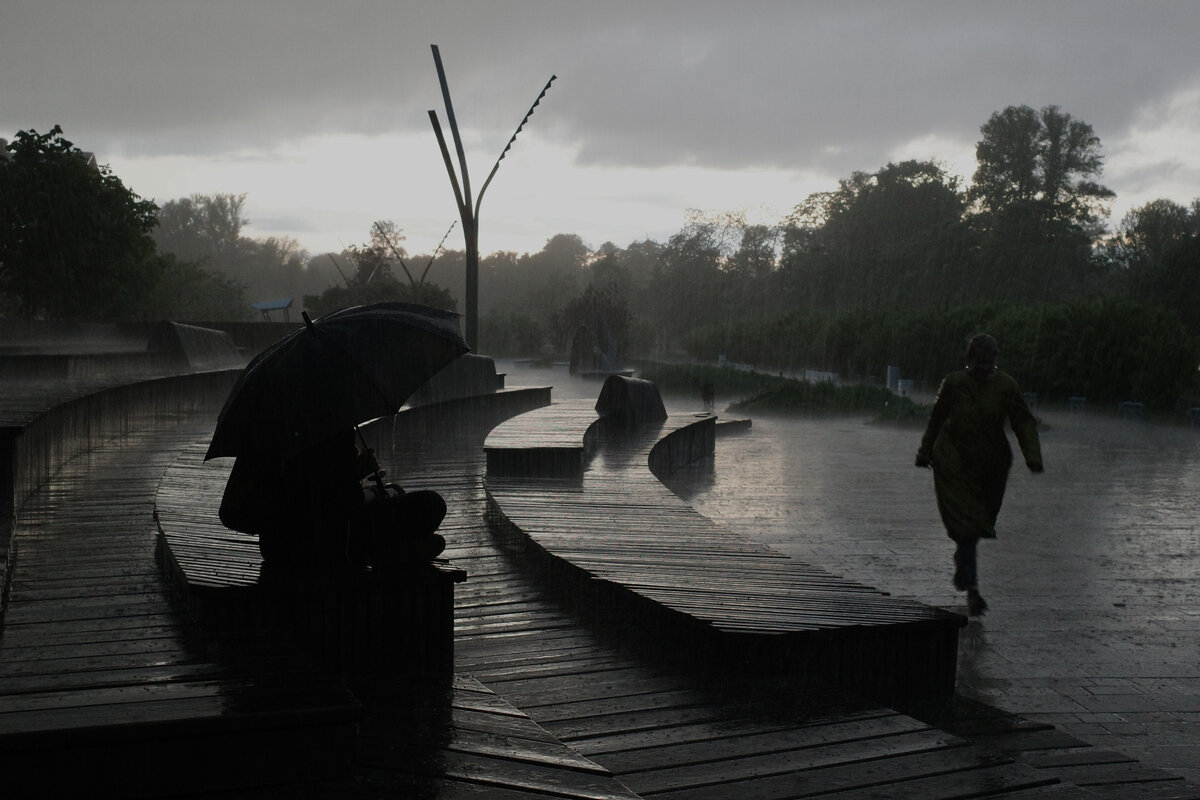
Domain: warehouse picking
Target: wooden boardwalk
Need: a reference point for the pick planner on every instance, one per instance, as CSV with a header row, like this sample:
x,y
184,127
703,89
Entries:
x,y
101,683
671,729
544,704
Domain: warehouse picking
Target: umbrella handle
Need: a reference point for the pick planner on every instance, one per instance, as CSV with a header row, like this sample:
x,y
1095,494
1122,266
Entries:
x,y
378,477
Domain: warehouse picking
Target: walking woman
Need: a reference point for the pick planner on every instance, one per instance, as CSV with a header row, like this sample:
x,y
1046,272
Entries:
x,y
967,448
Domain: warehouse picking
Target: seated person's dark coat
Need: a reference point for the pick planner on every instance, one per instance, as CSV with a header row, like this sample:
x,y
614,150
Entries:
x,y
301,507
309,510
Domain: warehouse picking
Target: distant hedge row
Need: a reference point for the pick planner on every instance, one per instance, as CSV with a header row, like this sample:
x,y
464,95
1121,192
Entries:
x,y
1106,350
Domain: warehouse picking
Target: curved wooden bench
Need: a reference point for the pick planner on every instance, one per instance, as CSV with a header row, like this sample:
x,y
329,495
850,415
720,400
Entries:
x,y
554,441
358,626
617,538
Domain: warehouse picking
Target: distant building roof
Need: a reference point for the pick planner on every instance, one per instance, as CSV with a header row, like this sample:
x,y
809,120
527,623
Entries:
x,y
267,306
272,305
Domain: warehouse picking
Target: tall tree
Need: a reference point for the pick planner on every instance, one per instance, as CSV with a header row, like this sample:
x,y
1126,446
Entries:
x,y
1039,209
205,229
1157,248
1044,158
1151,231
889,238
688,283
374,276
188,293
74,241
553,275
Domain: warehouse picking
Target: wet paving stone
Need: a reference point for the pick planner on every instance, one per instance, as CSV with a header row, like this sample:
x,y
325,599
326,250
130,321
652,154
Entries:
x,y
1091,583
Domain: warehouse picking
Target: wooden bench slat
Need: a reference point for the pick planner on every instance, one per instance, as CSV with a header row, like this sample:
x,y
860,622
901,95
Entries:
x,y
620,525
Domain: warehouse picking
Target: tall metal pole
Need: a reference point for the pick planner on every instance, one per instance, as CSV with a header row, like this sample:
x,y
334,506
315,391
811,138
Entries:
x,y
468,212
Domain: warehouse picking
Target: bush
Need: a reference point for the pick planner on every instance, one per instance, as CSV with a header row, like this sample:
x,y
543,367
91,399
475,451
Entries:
x,y
824,399
1107,350
764,393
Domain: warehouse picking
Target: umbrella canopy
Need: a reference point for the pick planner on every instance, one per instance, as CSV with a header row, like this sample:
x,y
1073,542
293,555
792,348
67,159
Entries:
x,y
347,367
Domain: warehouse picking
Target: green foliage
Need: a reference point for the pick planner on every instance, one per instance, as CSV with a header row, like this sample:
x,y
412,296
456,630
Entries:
x,y
1158,247
1105,349
538,284
764,393
822,398
373,277
185,291
686,379
1039,211
603,314
513,335
74,241
206,230
1042,158
380,290
893,237
687,284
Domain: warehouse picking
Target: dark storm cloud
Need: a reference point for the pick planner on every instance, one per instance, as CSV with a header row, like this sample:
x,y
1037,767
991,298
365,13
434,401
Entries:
x,y
838,84
828,85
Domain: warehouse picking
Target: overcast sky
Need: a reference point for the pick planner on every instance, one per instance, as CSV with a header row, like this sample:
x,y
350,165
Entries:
x,y
318,111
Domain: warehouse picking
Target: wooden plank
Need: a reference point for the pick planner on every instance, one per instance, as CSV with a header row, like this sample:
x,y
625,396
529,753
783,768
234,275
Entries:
x,y
652,720
474,742
604,531
899,775
625,530
645,726
692,775
99,673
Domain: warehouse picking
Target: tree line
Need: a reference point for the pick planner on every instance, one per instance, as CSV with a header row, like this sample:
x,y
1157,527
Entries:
x,y
892,267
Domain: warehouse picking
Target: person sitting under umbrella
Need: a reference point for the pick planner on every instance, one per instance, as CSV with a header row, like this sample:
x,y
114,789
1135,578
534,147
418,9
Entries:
x,y
312,510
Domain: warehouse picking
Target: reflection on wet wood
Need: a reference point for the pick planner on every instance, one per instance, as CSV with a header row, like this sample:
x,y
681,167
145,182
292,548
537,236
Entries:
x,y
545,703
644,713
101,684
622,541
356,624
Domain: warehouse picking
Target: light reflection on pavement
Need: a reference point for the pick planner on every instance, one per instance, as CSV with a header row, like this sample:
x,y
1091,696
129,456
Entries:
x,y
1092,584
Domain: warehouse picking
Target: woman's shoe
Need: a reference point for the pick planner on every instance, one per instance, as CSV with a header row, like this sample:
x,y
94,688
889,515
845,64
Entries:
x,y
976,605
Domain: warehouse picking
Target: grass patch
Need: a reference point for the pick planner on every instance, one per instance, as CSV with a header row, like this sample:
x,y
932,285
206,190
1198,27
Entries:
x,y
687,379
772,394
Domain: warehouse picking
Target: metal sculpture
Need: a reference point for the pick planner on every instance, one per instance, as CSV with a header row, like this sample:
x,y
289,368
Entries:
x,y
469,212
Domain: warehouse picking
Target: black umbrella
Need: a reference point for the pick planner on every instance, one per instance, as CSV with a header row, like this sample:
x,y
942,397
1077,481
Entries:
x,y
347,367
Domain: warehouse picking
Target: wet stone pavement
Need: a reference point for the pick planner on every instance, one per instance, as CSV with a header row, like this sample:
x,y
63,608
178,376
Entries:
x,y
1093,584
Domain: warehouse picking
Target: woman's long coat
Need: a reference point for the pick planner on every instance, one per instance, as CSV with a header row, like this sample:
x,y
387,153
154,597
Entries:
x,y
967,447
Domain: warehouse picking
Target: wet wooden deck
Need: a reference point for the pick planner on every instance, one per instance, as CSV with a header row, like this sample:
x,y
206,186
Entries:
x,y
544,703
667,726
618,538
420,735
101,683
